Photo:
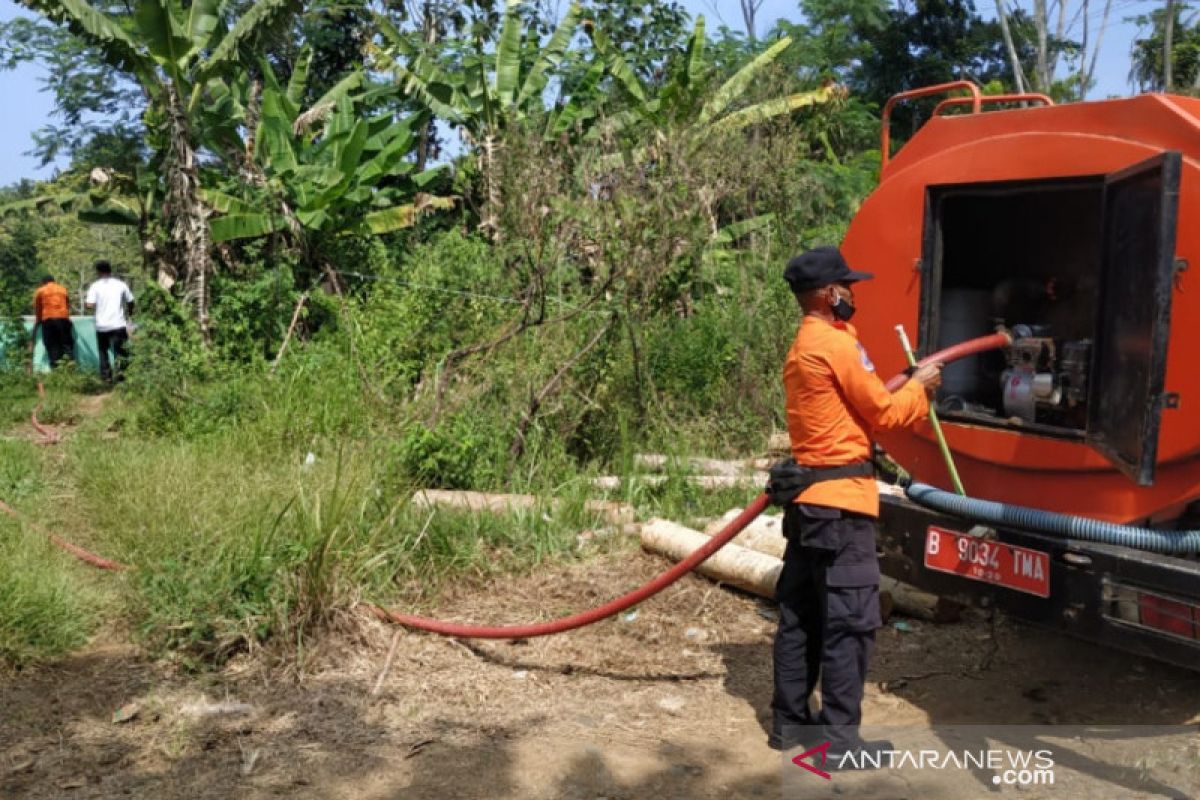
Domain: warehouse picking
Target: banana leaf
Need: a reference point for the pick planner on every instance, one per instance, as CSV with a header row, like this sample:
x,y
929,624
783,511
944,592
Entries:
x,y
115,44
163,32
550,57
245,226
204,18
736,86
626,78
767,109
110,213
298,82
508,55
399,217
248,25
225,203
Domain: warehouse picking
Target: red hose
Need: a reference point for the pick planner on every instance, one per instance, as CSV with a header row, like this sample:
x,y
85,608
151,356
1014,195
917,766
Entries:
x,y
970,347
585,617
50,434
74,549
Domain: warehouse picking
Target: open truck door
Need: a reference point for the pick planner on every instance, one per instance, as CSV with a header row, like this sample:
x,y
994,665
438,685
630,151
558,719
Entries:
x,y
1130,355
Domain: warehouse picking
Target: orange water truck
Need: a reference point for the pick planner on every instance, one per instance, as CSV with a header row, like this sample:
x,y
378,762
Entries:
x,y
1071,227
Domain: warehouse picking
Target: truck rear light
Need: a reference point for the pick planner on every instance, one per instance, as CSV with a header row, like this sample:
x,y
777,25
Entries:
x,y
1171,615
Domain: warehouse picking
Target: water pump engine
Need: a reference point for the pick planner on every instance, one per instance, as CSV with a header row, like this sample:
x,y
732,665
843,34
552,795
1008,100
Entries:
x,y
1045,380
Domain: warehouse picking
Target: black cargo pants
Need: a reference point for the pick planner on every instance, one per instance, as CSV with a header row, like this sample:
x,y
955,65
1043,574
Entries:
x,y
59,338
828,595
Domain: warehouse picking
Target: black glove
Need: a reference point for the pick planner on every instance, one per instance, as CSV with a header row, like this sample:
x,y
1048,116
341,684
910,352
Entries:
x,y
887,469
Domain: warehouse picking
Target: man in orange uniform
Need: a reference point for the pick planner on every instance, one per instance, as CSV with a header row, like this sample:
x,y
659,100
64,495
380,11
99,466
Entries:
x,y
52,314
828,591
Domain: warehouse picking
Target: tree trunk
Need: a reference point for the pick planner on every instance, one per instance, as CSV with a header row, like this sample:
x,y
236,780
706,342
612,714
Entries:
x,y
1039,21
1014,60
1091,72
253,112
1060,33
427,130
749,12
493,201
1083,51
185,216
1168,40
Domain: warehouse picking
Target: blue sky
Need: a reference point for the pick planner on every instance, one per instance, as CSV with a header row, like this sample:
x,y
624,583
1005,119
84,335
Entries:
x,y
27,107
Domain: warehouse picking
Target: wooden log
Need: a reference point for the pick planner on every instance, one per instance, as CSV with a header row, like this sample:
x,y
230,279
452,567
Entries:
x,y
733,565
779,444
753,480
655,462
765,534
613,512
915,603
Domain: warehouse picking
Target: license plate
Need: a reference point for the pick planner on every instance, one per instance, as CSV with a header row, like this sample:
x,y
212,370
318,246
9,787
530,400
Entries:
x,y
991,562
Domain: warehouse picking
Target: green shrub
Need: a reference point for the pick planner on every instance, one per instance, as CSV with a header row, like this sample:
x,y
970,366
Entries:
x,y
691,358
445,293
445,457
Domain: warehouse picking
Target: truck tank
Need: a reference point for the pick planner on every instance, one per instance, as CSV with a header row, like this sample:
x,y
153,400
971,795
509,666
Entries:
x,y
1073,225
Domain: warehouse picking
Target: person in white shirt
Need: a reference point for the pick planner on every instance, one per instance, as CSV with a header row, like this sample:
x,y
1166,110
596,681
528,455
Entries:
x,y
113,304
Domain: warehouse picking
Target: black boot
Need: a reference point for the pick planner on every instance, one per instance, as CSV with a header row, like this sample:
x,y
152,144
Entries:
x,y
788,737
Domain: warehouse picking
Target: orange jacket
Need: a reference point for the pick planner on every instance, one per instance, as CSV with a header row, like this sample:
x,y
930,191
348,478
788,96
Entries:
x,y
51,301
834,402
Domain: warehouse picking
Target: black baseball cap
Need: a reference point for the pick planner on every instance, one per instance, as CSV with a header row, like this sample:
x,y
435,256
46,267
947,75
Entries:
x,y
819,267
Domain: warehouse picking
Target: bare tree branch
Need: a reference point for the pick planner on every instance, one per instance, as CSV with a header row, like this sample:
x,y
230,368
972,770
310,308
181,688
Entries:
x,y
749,12
1014,60
1091,71
535,402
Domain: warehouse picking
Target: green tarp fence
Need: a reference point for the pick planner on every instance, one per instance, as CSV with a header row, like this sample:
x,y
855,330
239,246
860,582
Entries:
x,y
12,355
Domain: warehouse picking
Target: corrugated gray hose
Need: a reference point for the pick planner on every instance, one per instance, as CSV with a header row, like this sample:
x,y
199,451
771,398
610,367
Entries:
x,y
988,512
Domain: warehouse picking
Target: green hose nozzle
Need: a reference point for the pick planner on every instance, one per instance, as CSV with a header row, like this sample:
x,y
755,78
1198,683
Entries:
x,y
933,417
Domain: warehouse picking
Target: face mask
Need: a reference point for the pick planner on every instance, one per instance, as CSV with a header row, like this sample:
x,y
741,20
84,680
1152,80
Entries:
x,y
842,309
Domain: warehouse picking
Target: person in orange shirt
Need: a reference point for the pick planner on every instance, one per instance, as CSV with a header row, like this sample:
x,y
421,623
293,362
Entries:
x,y
828,590
52,315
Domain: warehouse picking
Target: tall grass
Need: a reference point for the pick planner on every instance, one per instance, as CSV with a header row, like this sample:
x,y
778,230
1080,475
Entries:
x,y
45,607
244,537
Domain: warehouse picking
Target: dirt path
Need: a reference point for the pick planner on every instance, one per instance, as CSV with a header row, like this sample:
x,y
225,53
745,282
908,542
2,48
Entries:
x,y
669,704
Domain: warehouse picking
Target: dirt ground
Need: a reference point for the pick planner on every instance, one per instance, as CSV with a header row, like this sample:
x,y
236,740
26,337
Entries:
x,y
668,703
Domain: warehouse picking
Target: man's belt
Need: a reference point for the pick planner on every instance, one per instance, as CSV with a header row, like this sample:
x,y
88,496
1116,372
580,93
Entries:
x,y
787,479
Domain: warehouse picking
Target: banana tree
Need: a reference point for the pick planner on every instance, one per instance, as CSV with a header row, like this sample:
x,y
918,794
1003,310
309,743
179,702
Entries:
x,y
173,49
685,100
484,93
352,176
